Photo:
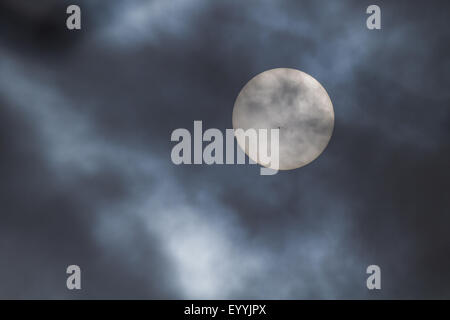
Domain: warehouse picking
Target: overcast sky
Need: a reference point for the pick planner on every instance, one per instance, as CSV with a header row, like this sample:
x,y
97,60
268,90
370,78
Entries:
x,y
86,176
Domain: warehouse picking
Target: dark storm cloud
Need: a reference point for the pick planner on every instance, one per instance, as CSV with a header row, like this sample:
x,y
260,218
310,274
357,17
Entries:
x,y
87,176
48,223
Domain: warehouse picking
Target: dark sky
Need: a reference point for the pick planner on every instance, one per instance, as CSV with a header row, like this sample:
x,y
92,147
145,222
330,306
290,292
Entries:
x,y
86,176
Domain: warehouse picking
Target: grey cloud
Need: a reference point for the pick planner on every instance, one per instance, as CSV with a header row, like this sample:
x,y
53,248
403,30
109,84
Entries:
x,y
86,173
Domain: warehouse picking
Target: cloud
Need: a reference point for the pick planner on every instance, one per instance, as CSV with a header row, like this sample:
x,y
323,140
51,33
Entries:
x,y
87,177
